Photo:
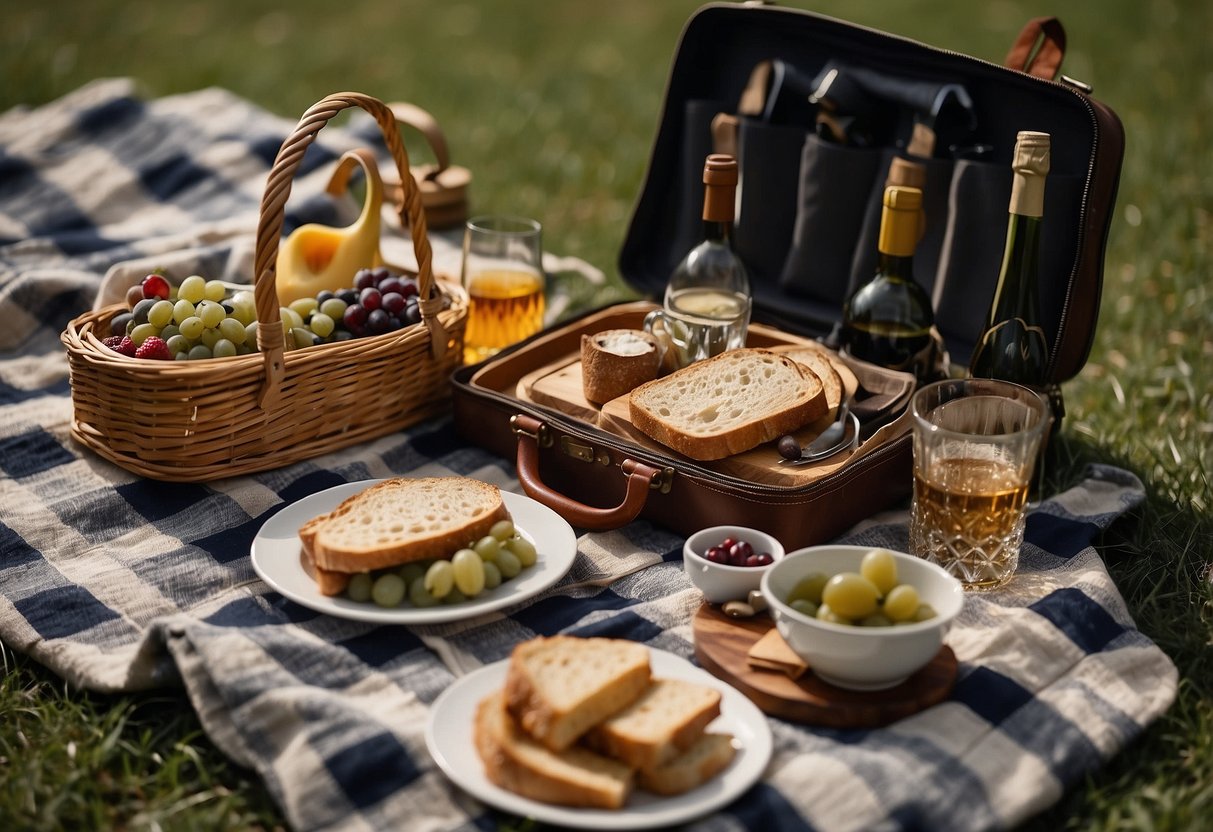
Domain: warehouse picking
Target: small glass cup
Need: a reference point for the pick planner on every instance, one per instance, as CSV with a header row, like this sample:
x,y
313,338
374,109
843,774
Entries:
x,y
975,446
503,276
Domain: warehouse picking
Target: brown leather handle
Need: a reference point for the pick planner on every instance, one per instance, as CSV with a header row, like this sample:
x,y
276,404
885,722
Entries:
x,y
1039,49
640,480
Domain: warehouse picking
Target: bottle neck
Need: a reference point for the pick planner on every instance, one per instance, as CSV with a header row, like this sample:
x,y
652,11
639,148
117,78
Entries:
x,y
1015,295
718,232
895,266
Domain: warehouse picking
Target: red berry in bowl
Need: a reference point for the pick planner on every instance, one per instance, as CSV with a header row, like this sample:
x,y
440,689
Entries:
x,y
113,342
740,550
127,347
727,543
717,555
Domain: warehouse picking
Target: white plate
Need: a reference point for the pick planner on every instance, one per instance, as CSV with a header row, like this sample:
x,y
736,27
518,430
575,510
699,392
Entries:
x,y
276,559
449,738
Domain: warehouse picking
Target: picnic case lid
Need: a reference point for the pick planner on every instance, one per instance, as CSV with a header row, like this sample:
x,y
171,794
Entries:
x,y
808,209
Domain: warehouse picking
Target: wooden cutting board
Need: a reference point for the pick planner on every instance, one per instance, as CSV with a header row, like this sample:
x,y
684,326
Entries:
x,y
722,644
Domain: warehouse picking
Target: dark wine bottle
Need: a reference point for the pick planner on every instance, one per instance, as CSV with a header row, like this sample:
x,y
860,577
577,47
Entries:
x,y
1013,346
888,321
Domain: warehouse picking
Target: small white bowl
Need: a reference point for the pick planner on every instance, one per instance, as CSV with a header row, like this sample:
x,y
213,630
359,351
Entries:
x,y
861,658
717,581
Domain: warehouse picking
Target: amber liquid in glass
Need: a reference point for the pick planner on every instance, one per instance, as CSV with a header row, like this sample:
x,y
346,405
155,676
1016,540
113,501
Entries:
x,y
505,306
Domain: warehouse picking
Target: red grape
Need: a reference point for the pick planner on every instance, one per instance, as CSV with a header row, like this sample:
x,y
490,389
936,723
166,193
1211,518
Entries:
x,y
378,321
393,302
355,316
364,279
155,286
371,299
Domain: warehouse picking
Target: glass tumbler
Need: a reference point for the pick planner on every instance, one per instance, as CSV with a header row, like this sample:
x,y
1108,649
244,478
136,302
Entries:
x,y
503,276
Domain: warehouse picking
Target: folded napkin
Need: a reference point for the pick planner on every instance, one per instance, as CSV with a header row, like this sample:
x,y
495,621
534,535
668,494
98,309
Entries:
x,y
121,584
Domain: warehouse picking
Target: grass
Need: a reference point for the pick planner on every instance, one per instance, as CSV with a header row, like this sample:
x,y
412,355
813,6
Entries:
x,y
553,106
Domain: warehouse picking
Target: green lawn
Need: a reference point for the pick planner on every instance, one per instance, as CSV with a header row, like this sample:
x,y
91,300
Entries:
x,y
553,105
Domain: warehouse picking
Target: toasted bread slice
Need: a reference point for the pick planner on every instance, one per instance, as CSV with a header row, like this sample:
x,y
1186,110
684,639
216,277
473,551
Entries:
x,y
402,520
728,404
666,720
515,761
710,754
558,688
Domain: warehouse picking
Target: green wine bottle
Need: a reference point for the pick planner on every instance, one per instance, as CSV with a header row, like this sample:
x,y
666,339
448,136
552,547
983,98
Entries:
x,y
888,320
1013,346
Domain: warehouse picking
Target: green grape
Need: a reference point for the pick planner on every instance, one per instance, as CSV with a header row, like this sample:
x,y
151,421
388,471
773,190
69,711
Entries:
x,y
160,314
181,356
250,333
302,337
192,327
334,308
232,330
454,596
503,530
182,310
925,612
880,567
825,613
508,563
169,331
805,606
243,349
359,588
492,575
199,351
809,588
850,595
223,348
211,313
177,343
290,318
193,289
487,547
876,619
144,331
411,572
388,590
439,578
901,603
469,572
419,596
322,324
243,297
523,549
304,306
209,337
214,290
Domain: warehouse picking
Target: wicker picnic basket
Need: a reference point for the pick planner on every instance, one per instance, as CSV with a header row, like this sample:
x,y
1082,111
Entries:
x,y
192,421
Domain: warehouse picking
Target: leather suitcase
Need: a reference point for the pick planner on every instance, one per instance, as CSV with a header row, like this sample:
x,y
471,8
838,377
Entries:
x,y
807,214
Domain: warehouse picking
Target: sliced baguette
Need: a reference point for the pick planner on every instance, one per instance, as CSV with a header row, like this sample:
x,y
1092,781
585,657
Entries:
x,y
816,356
728,404
665,721
560,687
710,754
401,520
516,762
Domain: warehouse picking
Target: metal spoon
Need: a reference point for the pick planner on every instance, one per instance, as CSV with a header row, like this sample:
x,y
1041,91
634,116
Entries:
x,y
841,434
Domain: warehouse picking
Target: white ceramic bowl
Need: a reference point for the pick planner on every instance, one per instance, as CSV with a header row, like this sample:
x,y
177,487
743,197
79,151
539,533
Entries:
x,y
718,582
861,658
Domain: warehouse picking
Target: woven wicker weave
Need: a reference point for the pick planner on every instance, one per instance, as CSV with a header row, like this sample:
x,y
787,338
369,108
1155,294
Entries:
x,y
191,421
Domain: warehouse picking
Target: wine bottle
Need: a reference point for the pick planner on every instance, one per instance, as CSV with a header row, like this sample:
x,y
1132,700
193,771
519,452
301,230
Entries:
x,y
889,320
707,300
1013,346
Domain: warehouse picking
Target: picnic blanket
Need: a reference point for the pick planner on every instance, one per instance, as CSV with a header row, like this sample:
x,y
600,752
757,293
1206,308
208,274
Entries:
x,y
123,584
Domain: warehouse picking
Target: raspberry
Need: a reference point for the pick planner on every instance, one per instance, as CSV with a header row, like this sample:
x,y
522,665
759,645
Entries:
x,y
154,347
126,346
113,342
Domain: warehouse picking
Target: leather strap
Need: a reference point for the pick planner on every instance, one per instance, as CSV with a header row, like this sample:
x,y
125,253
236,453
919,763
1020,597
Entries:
x,y
640,478
1039,49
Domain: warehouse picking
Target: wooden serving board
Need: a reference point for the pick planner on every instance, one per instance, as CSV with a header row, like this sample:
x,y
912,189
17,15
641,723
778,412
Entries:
x,y
722,644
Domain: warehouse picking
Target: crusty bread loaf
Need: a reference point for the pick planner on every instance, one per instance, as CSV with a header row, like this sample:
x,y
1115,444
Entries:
x,y
560,687
401,520
710,754
617,361
817,356
727,404
666,720
515,761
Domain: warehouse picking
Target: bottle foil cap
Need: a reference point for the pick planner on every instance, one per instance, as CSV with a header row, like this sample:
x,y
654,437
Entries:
x,y
720,187
1030,163
899,221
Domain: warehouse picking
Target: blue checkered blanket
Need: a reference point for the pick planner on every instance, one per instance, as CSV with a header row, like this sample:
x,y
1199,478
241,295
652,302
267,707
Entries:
x,y
122,584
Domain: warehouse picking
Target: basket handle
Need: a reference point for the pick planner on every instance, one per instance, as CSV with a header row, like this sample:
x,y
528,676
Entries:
x,y
269,231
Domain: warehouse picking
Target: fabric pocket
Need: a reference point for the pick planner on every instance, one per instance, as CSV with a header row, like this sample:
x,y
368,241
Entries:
x,y
833,195
768,157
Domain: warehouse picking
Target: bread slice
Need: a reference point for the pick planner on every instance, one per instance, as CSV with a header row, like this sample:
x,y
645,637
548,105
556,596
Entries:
x,y
727,404
327,581
665,721
710,754
560,687
401,520
815,356
515,761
